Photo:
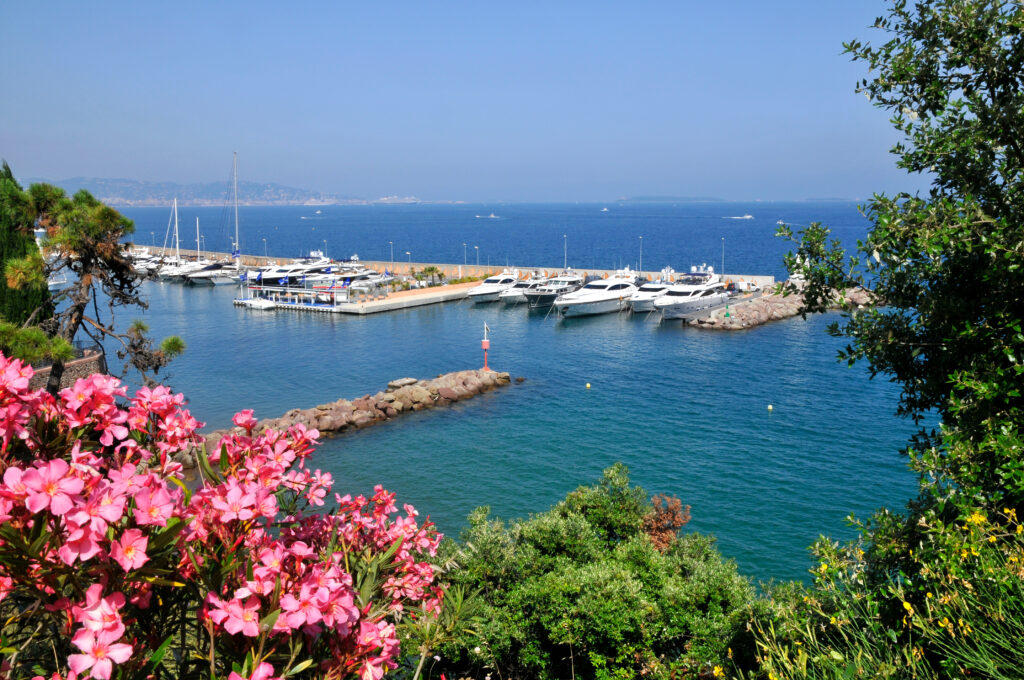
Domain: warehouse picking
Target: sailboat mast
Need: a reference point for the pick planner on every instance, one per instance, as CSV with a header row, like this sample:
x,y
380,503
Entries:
x,y
198,249
177,247
238,249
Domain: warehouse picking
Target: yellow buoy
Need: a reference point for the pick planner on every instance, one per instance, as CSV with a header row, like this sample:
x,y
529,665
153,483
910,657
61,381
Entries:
x,y
588,386
770,407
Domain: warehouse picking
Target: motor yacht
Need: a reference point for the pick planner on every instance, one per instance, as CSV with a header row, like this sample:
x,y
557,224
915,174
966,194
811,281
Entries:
x,y
517,293
492,287
216,274
700,290
599,297
545,294
643,299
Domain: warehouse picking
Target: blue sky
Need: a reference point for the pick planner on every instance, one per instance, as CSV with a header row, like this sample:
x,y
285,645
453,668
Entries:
x,y
524,101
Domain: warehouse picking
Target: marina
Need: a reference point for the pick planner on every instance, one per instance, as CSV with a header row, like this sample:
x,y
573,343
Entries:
x,y
358,288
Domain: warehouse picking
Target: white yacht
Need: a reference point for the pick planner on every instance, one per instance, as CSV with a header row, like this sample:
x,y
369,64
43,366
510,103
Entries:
x,y
292,273
492,287
599,297
545,294
517,293
643,299
216,274
699,291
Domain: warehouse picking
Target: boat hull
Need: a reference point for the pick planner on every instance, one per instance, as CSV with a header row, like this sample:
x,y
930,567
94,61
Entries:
x,y
516,299
684,310
640,306
479,298
589,308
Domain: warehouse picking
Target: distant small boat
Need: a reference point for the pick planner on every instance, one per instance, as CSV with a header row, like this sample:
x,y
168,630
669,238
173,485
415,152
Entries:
x,y
492,216
748,216
604,209
780,222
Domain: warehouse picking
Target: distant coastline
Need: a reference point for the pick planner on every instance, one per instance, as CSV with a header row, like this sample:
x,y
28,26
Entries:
x,y
129,193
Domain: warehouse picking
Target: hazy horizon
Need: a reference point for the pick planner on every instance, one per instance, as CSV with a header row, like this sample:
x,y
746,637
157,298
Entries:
x,y
527,103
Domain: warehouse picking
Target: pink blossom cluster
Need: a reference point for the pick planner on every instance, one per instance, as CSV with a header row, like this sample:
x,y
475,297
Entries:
x,y
120,531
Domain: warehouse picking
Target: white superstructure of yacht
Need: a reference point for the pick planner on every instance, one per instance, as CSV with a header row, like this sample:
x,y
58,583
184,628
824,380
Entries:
x,y
643,299
517,293
545,294
493,286
599,297
696,292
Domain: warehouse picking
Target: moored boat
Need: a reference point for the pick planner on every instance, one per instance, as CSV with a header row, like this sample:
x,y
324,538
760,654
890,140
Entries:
x,y
599,297
702,289
493,286
545,294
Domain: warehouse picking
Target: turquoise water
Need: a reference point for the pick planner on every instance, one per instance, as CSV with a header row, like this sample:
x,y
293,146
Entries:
x,y
685,409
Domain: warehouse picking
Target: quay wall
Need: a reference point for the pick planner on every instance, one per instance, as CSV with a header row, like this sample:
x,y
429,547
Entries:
x,y
450,271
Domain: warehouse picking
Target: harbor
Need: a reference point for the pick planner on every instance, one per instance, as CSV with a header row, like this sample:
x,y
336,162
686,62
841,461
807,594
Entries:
x,y
317,284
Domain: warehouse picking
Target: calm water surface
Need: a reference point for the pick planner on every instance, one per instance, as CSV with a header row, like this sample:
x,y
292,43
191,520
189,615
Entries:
x,y
685,409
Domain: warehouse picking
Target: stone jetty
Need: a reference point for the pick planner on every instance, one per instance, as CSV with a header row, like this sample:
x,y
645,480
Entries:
x,y
754,311
401,396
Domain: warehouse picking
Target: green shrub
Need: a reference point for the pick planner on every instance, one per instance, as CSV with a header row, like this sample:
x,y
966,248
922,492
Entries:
x,y
581,591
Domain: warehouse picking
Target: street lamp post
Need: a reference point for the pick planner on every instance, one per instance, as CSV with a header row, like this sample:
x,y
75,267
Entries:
x,y
477,249
152,237
723,256
325,247
463,254
409,254
391,244
565,251
641,256
264,249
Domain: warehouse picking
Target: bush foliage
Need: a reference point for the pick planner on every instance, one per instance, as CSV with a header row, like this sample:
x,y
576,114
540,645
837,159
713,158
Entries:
x,y
592,589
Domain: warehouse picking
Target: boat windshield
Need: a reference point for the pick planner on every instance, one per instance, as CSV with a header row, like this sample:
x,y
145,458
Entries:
x,y
680,293
493,280
651,289
596,285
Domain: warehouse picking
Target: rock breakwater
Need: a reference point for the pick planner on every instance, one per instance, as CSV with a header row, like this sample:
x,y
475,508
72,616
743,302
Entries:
x,y
754,311
401,396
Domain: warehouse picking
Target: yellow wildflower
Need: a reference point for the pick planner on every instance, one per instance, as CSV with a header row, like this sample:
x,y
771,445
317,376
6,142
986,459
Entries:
x,y
977,518
929,595
908,607
730,652
718,672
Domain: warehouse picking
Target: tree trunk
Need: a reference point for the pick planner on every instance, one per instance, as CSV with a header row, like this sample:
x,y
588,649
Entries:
x,y
56,373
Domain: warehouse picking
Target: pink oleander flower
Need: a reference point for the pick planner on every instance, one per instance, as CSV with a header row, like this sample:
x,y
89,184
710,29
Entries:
x,y
304,609
235,503
130,551
50,486
245,419
237,616
153,506
262,672
100,653
100,613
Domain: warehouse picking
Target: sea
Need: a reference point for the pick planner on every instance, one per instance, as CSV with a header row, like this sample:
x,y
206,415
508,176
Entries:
x,y
770,440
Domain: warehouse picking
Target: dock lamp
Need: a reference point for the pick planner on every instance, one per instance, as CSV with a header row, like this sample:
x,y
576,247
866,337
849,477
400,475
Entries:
x,y
264,249
477,249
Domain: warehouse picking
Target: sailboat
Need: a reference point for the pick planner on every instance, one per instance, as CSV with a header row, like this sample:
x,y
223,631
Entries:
x,y
219,273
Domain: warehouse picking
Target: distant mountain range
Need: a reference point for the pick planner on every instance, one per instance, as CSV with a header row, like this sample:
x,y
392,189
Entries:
x,y
133,193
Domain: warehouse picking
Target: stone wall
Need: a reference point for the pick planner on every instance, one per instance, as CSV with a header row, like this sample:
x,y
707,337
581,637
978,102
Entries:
x,y
93,362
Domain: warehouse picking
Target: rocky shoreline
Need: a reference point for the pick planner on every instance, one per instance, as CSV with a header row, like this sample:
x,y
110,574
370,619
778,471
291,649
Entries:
x,y
401,396
747,313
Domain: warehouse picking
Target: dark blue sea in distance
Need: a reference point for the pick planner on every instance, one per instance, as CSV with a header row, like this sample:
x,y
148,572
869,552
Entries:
x,y
686,410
